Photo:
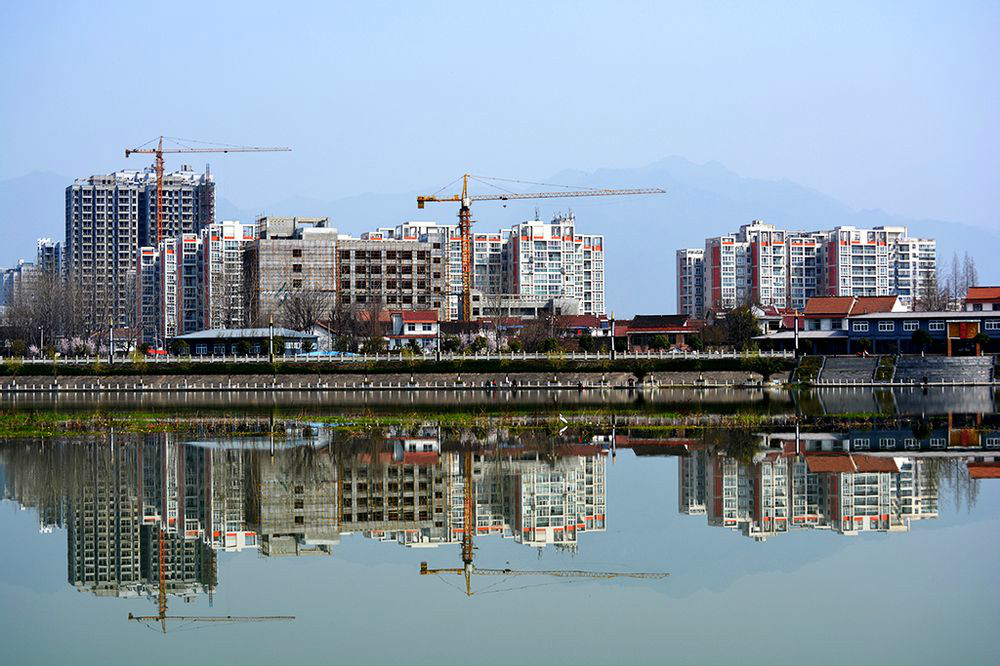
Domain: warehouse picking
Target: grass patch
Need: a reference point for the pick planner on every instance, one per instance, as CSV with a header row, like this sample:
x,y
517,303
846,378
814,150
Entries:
x,y
886,365
808,368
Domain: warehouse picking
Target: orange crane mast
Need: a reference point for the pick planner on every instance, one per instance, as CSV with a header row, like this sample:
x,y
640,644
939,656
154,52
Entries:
x,y
465,219
158,151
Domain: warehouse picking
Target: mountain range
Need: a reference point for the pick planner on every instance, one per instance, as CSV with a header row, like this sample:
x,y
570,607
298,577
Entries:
x,y
641,233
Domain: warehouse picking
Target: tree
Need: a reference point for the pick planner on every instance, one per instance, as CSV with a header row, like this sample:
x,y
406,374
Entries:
x,y
931,297
180,348
549,345
307,346
922,339
970,277
478,345
695,342
243,348
451,344
302,309
586,342
741,328
660,342
279,345
981,339
515,344
864,345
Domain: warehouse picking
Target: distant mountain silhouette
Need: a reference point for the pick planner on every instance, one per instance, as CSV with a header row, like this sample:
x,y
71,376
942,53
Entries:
x,y
641,233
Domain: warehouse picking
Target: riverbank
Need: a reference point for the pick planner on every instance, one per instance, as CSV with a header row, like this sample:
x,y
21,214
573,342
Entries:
x,y
291,423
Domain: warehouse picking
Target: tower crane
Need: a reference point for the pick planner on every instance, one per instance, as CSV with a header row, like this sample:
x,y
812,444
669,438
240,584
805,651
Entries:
x,y
468,569
161,602
158,151
465,219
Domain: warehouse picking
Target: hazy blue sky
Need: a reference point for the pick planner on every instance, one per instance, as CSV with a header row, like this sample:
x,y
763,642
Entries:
x,y
889,105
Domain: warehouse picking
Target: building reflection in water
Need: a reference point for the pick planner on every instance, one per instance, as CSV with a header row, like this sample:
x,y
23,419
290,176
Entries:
x,y
114,495
840,482
300,493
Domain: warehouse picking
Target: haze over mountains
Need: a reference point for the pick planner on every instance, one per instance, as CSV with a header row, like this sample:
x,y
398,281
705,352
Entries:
x,y
641,232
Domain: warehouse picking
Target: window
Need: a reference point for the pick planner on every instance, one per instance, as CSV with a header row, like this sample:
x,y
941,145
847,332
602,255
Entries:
x,y
201,349
935,326
991,325
296,268
886,326
859,327
297,252
911,325
977,307
296,284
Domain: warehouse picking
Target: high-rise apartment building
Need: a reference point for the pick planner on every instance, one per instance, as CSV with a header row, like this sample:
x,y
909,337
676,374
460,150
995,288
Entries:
x,y
691,282
109,217
550,259
49,257
192,283
223,245
767,266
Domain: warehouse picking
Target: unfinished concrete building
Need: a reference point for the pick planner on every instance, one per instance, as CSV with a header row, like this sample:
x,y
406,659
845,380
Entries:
x,y
294,259
389,274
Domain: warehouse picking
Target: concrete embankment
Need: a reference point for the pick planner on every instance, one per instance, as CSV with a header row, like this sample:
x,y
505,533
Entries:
x,y
361,381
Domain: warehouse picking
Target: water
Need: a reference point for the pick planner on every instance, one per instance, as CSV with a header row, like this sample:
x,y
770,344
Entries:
x,y
332,526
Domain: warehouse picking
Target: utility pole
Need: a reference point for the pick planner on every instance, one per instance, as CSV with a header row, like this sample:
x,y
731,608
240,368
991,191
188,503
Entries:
x,y
111,341
270,338
796,329
612,336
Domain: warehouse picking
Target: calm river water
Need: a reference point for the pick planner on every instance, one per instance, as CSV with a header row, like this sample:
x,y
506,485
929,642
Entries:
x,y
856,546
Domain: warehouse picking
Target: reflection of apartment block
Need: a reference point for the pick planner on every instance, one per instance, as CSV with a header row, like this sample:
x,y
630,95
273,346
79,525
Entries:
x,y
103,555
402,501
189,563
691,478
293,503
225,519
554,503
816,488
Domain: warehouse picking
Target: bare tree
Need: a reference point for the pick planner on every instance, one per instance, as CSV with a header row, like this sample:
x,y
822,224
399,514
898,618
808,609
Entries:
x,y
300,310
970,277
932,298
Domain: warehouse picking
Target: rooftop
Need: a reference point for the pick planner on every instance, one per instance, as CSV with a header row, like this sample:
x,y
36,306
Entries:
x,y
242,333
983,294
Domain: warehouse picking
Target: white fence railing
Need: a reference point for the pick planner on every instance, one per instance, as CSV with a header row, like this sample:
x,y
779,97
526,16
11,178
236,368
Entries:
x,y
398,357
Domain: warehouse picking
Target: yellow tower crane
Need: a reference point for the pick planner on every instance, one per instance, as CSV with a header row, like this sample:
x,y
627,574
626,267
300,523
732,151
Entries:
x,y
465,219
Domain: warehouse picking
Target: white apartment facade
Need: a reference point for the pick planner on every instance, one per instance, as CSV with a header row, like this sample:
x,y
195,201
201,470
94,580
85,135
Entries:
x,y
768,266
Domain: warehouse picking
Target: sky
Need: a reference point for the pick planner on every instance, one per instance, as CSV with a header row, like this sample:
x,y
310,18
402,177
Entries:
x,y
878,104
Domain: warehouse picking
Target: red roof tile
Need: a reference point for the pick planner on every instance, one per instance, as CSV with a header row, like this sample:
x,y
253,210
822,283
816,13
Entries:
x,y
819,306
829,462
875,464
420,316
984,470
983,294
869,304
